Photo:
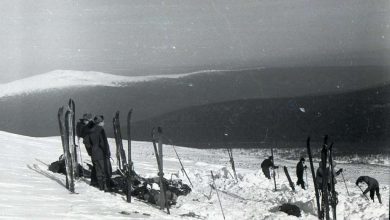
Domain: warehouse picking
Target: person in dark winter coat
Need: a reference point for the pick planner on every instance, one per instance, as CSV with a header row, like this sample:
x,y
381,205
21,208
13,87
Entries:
x,y
373,187
320,175
266,165
83,129
301,167
100,153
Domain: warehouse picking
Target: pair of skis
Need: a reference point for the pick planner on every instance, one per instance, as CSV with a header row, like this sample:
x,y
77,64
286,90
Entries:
x,y
326,157
66,121
125,167
157,137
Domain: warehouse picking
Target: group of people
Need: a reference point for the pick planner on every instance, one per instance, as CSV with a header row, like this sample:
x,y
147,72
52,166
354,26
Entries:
x,y
91,130
372,183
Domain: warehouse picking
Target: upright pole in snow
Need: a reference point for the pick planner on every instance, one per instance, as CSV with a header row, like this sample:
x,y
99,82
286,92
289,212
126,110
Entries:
x,y
307,182
129,160
230,152
216,190
182,167
345,182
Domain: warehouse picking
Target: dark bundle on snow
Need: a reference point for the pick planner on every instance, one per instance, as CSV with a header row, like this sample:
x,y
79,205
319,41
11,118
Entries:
x,y
142,188
59,167
290,209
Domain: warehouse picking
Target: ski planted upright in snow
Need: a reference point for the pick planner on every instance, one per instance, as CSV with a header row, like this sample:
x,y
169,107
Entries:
x,y
333,193
314,178
289,178
61,122
130,167
325,179
273,167
75,147
157,134
120,152
69,157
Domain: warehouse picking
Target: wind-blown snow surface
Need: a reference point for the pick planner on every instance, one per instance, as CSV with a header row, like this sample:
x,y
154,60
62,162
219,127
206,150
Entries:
x,y
60,79
29,191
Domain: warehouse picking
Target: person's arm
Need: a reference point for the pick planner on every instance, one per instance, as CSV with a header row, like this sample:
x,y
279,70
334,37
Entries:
x,y
366,191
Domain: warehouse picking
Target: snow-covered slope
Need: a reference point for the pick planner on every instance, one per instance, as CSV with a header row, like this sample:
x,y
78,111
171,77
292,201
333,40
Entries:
x,y
60,79
29,191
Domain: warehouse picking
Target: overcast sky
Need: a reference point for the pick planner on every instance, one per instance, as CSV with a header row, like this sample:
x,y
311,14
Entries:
x,y
153,37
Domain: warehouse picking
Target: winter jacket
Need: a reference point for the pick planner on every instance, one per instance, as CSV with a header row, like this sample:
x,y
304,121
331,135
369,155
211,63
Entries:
x,y
83,131
99,145
319,175
300,169
371,182
268,163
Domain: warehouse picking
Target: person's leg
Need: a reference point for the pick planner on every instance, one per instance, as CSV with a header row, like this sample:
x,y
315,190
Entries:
x,y
301,183
94,181
100,173
266,173
107,173
372,194
378,195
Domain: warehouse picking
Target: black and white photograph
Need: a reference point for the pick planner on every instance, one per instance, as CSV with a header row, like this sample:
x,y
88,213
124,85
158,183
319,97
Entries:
x,y
178,109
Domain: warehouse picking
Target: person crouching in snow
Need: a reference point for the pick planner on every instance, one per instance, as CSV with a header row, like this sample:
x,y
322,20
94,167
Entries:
x,y
301,167
266,165
373,187
100,154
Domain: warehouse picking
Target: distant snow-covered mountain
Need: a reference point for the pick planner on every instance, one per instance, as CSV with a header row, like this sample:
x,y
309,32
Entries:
x,y
60,79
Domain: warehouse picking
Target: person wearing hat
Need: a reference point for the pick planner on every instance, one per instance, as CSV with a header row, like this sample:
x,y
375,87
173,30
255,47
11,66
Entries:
x,y
301,167
83,124
266,165
100,154
372,186
83,128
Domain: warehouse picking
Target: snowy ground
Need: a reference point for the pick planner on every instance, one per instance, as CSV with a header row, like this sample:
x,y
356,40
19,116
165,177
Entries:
x,y
29,191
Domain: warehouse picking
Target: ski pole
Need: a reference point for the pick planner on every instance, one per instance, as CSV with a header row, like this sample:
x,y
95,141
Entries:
x,y
307,182
363,193
345,183
220,204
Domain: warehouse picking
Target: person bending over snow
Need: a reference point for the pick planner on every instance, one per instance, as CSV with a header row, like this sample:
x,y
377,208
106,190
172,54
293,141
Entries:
x,y
373,186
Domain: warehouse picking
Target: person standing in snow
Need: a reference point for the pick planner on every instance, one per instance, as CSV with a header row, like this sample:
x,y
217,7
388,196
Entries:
x,y
100,153
373,187
301,167
320,175
83,129
266,165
